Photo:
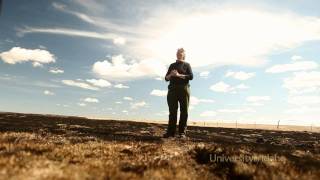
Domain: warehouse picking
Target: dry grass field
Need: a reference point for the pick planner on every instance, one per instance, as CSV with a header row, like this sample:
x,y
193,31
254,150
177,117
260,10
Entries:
x,y
59,147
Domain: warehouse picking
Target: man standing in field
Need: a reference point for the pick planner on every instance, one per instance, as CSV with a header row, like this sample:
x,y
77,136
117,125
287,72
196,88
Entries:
x,y
179,74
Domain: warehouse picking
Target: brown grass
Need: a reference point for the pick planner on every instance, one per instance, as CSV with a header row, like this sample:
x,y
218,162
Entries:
x,y
57,147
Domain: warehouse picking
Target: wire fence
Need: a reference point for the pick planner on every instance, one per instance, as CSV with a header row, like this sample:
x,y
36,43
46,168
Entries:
x,y
286,125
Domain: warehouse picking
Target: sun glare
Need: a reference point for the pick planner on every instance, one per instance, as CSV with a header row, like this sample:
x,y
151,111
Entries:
x,y
230,36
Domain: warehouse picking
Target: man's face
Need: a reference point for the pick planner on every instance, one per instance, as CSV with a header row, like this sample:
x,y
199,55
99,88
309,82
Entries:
x,y
180,55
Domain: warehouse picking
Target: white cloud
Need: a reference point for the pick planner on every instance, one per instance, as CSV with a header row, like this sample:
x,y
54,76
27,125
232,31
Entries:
x,y
208,114
37,64
248,33
7,77
97,21
79,84
47,92
82,104
204,74
42,47
119,41
91,100
124,111
303,110
99,82
164,113
138,104
304,99
56,71
240,110
240,75
58,6
241,86
295,66
195,101
19,55
121,86
159,78
71,32
121,70
157,92
221,87
258,99
224,87
128,98
296,58
256,104
303,82
118,102
62,7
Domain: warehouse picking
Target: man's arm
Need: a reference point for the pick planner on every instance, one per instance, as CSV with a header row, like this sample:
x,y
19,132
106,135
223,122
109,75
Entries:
x,y
189,74
168,75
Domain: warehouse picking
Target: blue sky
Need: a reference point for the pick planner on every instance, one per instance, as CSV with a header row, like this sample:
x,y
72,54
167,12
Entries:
x,y
253,61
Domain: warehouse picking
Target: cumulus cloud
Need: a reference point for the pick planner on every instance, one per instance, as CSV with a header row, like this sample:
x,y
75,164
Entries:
x,y
138,104
225,88
240,110
82,104
303,110
47,92
157,92
241,86
304,99
159,78
119,69
221,87
42,47
163,113
19,55
295,66
37,64
56,71
303,82
240,75
208,114
99,82
91,100
204,74
195,101
296,58
119,41
121,86
127,98
255,99
79,84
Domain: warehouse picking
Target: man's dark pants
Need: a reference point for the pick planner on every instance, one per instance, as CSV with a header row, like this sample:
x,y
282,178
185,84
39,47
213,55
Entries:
x,y
181,94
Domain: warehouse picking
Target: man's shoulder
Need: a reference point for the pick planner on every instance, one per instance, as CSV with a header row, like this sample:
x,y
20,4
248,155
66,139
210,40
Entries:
x,y
187,64
173,64
184,62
